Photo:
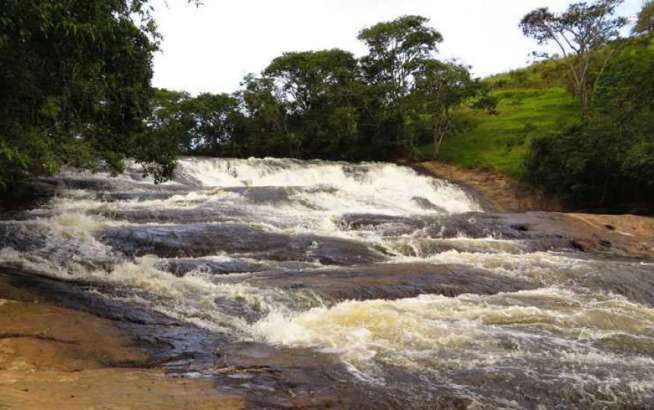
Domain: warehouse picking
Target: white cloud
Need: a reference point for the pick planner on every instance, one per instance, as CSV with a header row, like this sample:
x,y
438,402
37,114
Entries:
x,y
212,47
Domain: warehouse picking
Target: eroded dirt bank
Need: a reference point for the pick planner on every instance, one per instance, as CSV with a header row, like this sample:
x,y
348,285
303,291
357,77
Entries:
x,y
500,192
58,358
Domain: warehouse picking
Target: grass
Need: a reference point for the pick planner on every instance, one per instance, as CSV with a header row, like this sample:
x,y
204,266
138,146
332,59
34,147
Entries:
x,y
501,141
533,101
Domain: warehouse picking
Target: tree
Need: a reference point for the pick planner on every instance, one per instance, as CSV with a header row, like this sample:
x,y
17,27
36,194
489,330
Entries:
x,y
625,101
166,116
607,160
211,122
577,31
75,80
318,90
395,50
304,79
645,22
440,88
266,131
202,125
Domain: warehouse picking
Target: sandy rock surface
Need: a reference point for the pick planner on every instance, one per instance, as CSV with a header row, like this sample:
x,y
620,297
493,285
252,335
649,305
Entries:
x,y
57,358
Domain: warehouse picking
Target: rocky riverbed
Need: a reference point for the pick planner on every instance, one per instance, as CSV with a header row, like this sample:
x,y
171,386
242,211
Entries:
x,y
281,284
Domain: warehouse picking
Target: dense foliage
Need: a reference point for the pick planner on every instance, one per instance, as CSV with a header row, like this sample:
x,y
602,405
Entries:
x,y
645,21
75,80
608,160
328,104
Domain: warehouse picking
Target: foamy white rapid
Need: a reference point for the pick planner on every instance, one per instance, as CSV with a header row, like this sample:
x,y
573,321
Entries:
x,y
272,250
336,185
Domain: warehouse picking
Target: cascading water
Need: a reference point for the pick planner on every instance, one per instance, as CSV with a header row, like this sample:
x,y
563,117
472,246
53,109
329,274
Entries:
x,y
387,270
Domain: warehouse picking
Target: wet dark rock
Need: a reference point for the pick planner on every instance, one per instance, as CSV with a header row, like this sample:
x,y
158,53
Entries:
x,y
536,231
100,183
22,237
165,339
254,194
475,225
197,240
426,247
629,277
93,184
262,195
182,266
135,196
277,195
26,195
470,225
585,233
393,281
273,377
385,224
34,189
521,228
187,216
34,239
427,204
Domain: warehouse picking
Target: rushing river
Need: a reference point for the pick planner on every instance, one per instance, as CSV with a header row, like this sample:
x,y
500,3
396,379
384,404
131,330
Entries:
x,y
395,275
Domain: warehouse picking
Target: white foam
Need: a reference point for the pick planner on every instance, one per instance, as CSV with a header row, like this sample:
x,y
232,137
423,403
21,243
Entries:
x,y
476,332
365,187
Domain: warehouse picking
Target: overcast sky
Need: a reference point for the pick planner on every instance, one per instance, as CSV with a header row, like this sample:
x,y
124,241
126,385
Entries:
x,y
212,47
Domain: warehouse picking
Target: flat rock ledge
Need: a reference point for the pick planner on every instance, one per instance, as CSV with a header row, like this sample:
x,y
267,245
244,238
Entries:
x,y
53,357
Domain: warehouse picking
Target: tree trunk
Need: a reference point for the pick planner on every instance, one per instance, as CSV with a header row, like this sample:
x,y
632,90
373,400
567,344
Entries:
x,y
438,139
440,130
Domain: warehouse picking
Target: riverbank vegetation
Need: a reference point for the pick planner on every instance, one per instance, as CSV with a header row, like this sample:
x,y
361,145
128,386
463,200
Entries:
x,y
608,158
76,80
598,157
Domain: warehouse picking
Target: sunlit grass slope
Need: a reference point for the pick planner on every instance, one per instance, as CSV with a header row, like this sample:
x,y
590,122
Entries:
x,y
528,106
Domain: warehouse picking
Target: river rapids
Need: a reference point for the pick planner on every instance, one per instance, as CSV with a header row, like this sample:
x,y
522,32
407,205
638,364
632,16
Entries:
x,y
397,278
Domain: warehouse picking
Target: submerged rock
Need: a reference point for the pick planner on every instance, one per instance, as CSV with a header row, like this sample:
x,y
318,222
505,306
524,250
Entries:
x,y
393,281
537,231
197,240
186,216
182,266
21,237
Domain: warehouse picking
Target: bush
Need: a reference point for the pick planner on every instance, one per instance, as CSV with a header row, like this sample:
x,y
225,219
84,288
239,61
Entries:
x,y
608,161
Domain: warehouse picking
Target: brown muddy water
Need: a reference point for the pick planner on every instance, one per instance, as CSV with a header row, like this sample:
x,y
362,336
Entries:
x,y
322,284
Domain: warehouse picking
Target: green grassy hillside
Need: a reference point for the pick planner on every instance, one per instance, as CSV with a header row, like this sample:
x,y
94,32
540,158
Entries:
x,y
528,105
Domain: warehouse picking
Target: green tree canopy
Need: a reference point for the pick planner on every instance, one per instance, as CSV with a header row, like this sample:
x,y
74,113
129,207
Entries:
x,y
320,91
395,49
75,79
442,87
608,160
645,22
327,104
305,79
